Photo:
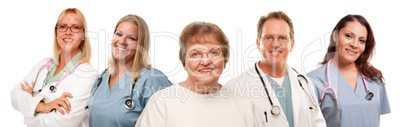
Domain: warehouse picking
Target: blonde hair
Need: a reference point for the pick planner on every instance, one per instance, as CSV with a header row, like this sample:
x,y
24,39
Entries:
x,y
141,58
85,46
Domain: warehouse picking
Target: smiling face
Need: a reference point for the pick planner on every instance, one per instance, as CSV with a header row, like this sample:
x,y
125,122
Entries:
x,y
204,61
70,41
351,42
275,52
124,42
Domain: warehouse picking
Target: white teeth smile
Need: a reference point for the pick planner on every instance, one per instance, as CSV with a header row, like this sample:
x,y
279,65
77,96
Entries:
x,y
274,52
351,52
68,39
206,70
121,49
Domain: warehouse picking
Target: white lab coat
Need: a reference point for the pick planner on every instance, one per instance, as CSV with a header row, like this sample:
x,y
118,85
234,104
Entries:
x,y
249,84
79,83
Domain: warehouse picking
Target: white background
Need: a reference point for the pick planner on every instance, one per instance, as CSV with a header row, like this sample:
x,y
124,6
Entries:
x,y
27,36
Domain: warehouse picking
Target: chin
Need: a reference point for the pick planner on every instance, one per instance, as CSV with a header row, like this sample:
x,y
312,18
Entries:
x,y
206,80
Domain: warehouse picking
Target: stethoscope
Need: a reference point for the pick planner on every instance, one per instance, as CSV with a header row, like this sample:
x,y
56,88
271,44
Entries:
x,y
369,95
275,110
53,88
129,103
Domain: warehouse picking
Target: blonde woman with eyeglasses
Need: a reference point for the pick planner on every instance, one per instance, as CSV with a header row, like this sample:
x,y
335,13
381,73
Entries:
x,y
56,90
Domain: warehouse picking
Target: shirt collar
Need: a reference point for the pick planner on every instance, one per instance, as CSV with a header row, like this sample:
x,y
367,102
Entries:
x,y
74,61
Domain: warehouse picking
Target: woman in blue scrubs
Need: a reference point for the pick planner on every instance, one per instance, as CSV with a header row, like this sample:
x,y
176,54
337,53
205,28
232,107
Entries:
x,y
347,70
119,95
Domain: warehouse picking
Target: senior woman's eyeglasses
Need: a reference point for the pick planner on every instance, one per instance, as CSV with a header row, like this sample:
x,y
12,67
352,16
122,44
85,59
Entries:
x,y
270,39
74,28
197,54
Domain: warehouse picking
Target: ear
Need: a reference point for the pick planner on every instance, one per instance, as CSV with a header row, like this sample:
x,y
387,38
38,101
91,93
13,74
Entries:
x,y
258,45
292,44
335,36
185,68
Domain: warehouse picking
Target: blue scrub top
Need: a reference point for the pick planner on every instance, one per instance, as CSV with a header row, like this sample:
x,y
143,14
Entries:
x,y
354,109
284,94
107,108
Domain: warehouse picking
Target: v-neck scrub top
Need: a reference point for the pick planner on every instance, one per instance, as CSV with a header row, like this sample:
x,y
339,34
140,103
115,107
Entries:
x,y
354,109
107,108
50,78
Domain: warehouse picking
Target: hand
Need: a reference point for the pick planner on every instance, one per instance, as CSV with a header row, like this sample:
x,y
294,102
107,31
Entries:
x,y
27,87
62,101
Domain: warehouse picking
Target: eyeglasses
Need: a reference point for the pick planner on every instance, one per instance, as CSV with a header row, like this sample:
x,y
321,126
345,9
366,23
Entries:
x,y
74,28
270,39
197,54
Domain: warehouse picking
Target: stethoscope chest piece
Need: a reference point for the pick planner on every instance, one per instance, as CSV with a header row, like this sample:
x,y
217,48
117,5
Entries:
x,y
129,104
52,88
275,110
369,96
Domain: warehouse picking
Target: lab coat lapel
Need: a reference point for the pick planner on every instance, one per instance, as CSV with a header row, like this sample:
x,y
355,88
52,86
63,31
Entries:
x,y
271,92
297,95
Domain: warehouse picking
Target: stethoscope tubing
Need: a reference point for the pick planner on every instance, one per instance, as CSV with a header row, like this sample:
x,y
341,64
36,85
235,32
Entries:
x,y
47,65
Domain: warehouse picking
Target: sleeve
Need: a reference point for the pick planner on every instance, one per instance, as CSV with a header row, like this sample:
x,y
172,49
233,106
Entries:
x,y
153,84
154,114
81,93
23,101
317,117
385,108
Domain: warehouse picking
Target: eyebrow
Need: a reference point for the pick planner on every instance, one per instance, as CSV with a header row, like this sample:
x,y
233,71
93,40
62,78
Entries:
x,y
63,24
117,30
273,35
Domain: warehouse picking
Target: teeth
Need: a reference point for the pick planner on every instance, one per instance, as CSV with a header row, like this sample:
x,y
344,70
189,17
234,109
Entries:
x,y
68,39
207,70
121,49
274,52
351,52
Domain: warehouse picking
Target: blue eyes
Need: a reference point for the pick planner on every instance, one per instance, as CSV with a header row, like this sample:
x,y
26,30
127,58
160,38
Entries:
x,y
195,54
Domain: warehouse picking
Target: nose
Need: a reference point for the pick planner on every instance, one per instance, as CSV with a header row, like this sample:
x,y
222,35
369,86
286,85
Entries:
x,y
121,40
275,44
69,31
205,59
353,44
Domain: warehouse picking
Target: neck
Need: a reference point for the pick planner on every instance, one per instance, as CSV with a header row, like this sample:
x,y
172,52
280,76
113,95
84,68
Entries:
x,y
343,65
275,71
66,56
122,67
201,87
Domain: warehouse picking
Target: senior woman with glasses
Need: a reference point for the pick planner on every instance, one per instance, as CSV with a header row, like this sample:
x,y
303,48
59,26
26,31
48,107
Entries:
x,y
200,101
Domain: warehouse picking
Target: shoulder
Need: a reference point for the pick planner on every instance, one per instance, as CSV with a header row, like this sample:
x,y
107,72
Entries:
x,y
152,77
86,69
244,77
152,73
318,73
173,91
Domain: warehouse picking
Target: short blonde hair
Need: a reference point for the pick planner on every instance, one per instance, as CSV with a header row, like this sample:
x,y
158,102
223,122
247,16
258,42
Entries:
x,y
275,15
201,29
141,58
85,46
